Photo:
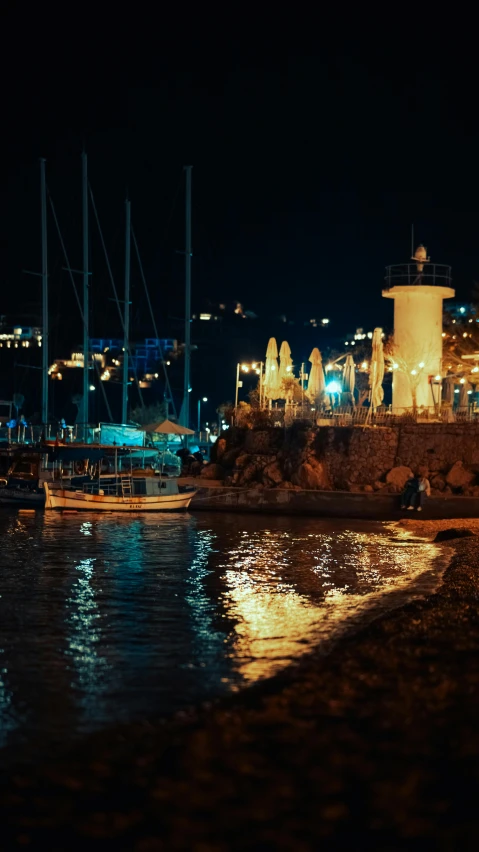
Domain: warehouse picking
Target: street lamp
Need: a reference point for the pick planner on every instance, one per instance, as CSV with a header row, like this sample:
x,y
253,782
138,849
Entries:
x,y
204,399
255,367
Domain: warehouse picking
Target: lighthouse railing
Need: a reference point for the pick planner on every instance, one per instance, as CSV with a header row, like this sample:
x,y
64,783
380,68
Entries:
x,y
407,274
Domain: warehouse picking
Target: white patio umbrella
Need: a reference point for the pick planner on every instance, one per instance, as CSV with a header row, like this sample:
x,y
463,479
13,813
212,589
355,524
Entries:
x,y
285,362
376,372
463,404
448,389
271,381
316,382
349,377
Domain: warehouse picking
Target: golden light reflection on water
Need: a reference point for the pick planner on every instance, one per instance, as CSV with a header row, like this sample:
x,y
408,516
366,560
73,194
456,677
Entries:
x,y
107,619
341,576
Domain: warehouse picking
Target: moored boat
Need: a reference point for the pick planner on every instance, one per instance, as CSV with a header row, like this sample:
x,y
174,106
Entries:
x,y
124,494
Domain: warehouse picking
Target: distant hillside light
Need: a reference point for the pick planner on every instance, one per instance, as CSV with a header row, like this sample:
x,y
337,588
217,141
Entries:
x,y
92,387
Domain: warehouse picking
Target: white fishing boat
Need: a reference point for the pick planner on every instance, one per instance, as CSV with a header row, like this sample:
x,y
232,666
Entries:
x,y
125,494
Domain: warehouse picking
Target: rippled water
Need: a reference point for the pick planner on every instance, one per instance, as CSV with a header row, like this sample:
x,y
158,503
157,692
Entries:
x,y
110,619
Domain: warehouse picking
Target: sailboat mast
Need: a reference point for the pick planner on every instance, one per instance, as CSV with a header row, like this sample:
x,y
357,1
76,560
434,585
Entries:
x,y
43,193
126,323
185,411
86,338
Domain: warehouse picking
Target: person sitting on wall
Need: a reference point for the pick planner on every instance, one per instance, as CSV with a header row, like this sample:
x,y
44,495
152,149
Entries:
x,y
423,491
410,493
415,493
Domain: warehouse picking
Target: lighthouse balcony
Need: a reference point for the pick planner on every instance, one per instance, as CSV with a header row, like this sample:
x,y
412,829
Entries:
x,y
408,274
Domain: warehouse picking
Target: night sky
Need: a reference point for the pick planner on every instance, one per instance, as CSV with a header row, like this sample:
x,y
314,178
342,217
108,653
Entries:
x,y
314,149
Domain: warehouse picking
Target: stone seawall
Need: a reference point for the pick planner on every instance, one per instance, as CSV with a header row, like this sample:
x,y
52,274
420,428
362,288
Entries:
x,y
327,504
369,458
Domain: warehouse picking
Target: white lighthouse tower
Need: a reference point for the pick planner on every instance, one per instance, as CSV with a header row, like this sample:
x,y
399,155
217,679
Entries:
x,y
418,290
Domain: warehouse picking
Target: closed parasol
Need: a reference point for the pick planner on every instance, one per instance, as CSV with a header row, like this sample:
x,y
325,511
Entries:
x,y
271,382
285,362
448,389
376,372
316,382
349,377
463,403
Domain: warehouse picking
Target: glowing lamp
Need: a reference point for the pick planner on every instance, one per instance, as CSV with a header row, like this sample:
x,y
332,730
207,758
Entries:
x,y
333,387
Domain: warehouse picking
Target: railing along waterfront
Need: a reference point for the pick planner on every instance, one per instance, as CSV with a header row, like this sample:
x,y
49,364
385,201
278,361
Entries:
x,y
353,416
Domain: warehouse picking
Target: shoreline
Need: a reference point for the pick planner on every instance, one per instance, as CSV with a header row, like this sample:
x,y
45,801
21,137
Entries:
x,y
364,743
215,497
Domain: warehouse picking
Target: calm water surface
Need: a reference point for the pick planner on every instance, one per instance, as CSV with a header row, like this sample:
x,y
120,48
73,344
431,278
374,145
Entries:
x,y
112,619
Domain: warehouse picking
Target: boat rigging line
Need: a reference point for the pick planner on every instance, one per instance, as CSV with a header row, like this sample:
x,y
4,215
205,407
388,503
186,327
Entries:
x,y
112,280
155,329
79,304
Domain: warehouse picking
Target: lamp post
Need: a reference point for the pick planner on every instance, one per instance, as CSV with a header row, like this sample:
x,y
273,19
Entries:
x,y
204,399
255,367
237,385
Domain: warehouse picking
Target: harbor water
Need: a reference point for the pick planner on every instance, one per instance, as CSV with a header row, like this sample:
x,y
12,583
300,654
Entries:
x,y
109,619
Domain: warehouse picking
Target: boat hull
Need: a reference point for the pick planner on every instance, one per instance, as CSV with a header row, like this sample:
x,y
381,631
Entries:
x,y
21,497
79,501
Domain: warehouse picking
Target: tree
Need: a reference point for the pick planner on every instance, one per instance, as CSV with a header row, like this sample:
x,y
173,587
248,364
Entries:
x,y
143,415
414,367
461,346
291,390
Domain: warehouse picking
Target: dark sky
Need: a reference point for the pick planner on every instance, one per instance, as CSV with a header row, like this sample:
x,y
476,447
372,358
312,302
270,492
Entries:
x,y
314,149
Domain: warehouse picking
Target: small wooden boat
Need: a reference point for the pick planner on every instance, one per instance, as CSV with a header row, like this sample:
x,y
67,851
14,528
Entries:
x,y
124,494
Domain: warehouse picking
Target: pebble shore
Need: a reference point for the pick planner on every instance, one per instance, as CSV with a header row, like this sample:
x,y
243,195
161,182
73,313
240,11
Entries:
x,y
374,746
